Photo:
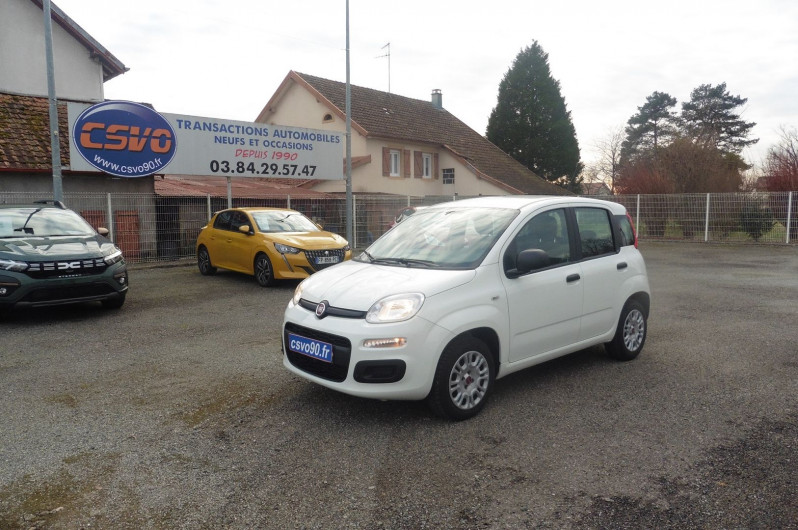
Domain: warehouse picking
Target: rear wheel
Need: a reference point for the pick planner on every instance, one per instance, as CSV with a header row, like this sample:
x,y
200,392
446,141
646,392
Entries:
x,y
264,273
463,379
204,262
631,333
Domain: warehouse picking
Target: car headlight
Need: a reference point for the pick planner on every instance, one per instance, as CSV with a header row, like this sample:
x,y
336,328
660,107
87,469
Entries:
x,y
113,257
12,265
285,249
298,292
347,248
395,308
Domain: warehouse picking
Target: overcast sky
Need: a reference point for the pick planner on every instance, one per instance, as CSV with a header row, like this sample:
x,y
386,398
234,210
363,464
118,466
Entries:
x,y
224,59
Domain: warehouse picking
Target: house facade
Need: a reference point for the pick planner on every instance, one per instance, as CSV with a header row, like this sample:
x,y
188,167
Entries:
x,y
81,65
401,145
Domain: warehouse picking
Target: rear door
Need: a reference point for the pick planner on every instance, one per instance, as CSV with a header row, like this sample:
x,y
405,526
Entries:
x,y
603,270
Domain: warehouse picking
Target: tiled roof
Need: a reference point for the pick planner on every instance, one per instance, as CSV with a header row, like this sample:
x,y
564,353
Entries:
x,y
25,136
194,186
390,116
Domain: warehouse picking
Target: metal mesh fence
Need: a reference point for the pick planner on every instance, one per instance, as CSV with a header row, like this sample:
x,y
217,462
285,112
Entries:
x,y
150,227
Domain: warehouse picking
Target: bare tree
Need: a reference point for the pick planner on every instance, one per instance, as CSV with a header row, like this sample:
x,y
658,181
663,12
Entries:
x,y
608,166
781,164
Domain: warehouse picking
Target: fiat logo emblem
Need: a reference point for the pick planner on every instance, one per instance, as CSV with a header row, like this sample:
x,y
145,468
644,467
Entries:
x,y
321,309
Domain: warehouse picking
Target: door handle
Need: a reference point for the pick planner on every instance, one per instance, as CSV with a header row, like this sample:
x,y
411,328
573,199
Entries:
x,y
622,265
572,278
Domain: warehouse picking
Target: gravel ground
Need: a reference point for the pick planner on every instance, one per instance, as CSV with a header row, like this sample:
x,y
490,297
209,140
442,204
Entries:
x,y
176,412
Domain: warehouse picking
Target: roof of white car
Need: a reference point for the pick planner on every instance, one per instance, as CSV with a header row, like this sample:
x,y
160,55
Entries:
x,y
523,202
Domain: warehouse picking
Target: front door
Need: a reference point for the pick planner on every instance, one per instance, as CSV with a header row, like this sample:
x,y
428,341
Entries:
x,y
545,305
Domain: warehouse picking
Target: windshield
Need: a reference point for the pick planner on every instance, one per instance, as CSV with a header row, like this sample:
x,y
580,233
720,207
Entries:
x,y
452,238
42,222
283,221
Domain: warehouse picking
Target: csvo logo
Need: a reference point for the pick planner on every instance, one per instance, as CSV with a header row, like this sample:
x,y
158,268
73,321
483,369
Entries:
x,y
124,139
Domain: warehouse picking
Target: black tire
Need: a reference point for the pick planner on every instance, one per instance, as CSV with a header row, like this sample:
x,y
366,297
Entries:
x,y
204,264
264,273
114,303
631,333
463,379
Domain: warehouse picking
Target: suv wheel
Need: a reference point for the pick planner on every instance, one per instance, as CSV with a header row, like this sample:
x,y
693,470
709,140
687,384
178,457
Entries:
x,y
631,333
463,379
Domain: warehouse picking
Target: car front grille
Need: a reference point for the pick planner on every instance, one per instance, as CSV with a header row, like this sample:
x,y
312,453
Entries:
x,y
67,292
66,269
342,351
313,256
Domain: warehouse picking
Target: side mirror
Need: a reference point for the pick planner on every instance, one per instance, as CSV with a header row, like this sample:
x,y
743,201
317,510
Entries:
x,y
245,229
103,231
529,260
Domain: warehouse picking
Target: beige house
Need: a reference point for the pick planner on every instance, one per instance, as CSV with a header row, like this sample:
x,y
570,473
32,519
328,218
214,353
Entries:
x,y
400,145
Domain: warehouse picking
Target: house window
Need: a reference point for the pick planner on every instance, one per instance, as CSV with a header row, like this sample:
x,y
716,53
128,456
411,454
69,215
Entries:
x,y
327,118
426,165
396,167
448,175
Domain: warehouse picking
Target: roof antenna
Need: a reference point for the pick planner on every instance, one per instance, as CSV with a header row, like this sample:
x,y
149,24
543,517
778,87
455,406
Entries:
x,y
388,55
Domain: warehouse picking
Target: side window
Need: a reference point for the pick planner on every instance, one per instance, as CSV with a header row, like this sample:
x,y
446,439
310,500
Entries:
x,y
222,221
595,231
627,232
239,219
546,231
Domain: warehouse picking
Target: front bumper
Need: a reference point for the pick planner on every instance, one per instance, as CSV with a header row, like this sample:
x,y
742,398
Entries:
x,y
20,290
402,373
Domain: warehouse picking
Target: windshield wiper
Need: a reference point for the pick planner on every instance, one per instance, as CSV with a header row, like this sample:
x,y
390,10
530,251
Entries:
x,y
404,261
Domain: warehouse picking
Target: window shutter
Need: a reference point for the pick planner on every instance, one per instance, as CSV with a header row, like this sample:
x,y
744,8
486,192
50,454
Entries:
x,y
435,169
386,162
405,163
417,164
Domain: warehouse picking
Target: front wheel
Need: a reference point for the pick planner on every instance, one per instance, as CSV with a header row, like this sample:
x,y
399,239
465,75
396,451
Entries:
x,y
264,274
631,333
204,264
463,379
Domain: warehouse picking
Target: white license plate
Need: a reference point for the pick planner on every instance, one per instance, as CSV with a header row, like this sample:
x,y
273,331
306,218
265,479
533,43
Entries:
x,y
326,260
316,349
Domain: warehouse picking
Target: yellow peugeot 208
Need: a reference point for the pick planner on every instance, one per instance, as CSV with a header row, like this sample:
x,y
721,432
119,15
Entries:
x,y
269,243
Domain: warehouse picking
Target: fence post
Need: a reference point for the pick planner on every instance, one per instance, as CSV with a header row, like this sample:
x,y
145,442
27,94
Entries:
x,y
110,214
637,215
706,222
288,201
209,207
789,216
354,219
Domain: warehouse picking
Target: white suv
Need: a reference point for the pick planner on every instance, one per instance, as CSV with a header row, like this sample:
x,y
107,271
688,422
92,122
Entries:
x,y
463,293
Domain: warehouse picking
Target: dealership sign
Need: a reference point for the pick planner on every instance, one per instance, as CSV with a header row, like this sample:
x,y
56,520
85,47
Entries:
x,y
128,139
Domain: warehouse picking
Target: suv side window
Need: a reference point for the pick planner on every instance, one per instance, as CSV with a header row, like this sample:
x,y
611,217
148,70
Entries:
x,y
547,231
595,231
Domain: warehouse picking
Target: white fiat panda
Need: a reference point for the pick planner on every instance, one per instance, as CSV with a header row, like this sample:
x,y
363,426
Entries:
x,y
463,293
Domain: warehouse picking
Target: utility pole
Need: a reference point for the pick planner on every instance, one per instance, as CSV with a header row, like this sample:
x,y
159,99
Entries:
x,y
348,140
55,144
